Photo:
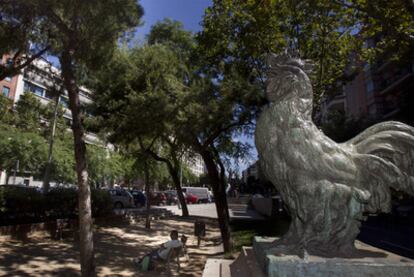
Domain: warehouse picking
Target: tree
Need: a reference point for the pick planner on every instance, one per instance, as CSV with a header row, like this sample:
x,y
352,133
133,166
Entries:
x,y
175,100
241,32
19,26
235,36
21,151
138,105
62,168
330,33
82,34
340,128
216,111
6,110
389,23
29,113
105,165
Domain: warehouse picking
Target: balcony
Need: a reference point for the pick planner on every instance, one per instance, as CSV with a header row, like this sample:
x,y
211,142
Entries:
x,y
389,84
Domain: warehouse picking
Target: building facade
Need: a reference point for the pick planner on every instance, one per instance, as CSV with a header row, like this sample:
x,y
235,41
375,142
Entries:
x,y
195,164
379,92
40,78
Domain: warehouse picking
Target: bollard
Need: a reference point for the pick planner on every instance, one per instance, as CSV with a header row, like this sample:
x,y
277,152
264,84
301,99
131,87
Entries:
x,y
199,230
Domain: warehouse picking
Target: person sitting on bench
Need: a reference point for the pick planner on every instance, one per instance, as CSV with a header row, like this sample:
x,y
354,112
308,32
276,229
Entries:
x,y
162,252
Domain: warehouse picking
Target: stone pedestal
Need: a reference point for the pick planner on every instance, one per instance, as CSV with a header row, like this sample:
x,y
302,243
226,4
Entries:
x,y
370,261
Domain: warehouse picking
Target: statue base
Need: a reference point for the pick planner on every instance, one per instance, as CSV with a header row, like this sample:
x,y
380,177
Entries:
x,y
371,261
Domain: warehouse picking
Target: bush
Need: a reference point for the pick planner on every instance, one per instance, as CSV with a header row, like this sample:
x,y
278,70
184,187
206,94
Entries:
x,y
27,205
61,203
101,203
20,204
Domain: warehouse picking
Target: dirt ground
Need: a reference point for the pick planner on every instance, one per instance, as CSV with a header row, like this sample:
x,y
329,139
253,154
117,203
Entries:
x,y
116,245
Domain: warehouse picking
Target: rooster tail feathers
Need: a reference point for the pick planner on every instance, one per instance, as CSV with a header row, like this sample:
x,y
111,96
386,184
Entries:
x,y
389,126
393,142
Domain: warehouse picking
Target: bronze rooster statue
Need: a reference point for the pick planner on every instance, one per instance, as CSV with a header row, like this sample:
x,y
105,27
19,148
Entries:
x,y
327,187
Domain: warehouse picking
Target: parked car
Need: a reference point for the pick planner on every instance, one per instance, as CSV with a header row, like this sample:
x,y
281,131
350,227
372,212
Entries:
x,y
191,198
172,198
139,198
158,198
201,193
121,198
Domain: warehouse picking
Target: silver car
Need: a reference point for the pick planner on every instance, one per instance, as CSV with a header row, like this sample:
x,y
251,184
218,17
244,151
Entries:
x,y
122,198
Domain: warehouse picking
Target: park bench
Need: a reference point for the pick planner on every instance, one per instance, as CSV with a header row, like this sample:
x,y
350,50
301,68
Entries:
x,y
173,257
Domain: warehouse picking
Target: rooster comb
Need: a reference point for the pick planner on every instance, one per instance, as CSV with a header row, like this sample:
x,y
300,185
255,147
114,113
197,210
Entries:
x,y
274,62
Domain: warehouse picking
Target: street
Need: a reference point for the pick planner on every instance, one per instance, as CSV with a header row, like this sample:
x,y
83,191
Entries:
x,y
237,211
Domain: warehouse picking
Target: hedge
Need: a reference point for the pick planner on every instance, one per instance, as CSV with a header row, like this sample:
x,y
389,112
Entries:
x,y
19,205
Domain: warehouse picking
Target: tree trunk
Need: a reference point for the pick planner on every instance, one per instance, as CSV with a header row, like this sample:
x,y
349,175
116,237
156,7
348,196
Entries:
x,y
148,194
172,169
84,194
220,199
177,184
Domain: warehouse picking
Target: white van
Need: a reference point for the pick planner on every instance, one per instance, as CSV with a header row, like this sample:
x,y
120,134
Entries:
x,y
201,193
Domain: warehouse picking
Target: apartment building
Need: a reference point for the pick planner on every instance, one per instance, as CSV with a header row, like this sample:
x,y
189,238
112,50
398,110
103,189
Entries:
x,y
8,86
378,92
196,164
40,78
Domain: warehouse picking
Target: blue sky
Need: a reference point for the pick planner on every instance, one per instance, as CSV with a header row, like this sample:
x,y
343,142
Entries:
x,y
190,13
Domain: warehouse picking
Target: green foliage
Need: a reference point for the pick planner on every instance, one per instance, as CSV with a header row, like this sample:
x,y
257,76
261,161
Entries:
x,y
20,25
330,33
188,176
92,28
28,149
171,33
340,128
101,203
21,203
6,112
62,125
95,26
105,165
243,232
237,34
143,92
25,204
390,24
29,114
61,202
138,107
63,162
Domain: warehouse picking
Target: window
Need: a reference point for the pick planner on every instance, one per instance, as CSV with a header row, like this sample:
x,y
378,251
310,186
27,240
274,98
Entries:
x,y
34,89
64,101
369,88
48,95
6,91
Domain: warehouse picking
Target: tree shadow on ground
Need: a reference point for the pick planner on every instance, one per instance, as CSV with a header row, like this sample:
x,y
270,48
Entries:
x,y
116,246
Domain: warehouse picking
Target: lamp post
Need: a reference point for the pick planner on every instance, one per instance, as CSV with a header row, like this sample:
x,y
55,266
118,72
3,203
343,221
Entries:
x,y
51,142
